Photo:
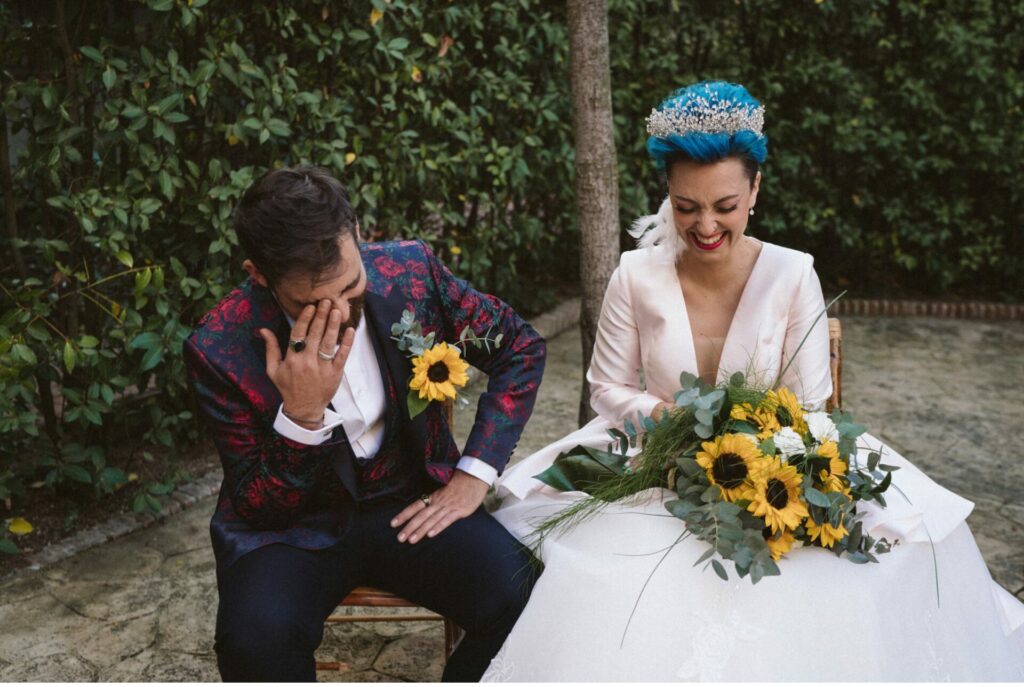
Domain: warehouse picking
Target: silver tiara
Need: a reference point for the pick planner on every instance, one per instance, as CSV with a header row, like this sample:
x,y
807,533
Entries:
x,y
702,116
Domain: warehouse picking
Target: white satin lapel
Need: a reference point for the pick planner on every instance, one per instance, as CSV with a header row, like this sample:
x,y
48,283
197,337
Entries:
x,y
672,349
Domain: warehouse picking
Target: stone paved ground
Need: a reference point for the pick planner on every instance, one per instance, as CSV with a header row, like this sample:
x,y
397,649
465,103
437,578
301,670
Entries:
x,y
140,608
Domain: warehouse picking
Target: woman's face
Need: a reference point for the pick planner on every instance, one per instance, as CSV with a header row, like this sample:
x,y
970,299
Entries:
x,y
711,203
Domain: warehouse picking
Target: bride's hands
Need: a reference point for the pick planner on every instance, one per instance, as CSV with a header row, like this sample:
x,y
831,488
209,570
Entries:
x,y
454,501
660,410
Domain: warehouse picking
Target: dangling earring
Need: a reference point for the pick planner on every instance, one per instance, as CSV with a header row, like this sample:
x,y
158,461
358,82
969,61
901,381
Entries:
x,y
751,212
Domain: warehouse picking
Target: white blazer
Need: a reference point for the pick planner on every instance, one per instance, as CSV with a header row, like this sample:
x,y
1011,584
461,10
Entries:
x,y
644,342
644,332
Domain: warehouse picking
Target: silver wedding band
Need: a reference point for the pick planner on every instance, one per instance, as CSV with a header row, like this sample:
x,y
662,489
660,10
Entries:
x,y
297,345
323,356
426,500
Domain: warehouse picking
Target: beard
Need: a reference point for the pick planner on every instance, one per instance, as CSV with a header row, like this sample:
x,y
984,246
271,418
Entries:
x,y
355,316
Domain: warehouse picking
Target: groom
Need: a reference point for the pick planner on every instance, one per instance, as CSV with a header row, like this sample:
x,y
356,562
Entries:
x,y
328,483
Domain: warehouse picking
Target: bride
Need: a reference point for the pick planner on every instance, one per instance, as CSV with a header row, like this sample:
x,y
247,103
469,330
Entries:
x,y
699,295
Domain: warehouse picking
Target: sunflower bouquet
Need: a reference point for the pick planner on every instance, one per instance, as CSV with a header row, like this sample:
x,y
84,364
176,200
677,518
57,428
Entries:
x,y
438,368
753,472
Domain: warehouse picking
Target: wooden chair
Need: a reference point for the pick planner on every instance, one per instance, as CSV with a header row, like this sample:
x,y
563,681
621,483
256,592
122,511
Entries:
x,y
835,354
378,598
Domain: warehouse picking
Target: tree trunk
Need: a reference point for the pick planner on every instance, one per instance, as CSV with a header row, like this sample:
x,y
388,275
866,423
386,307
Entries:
x,y
10,210
597,186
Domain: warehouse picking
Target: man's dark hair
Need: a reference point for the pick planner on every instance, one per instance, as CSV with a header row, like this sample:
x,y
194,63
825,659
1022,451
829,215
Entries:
x,y
290,220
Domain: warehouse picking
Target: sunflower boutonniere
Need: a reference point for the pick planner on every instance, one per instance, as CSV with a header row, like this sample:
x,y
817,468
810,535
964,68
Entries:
x,y
438,368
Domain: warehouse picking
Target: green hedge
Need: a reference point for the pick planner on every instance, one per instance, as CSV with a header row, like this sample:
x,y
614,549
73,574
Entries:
x,y
895,129
134,142
895,133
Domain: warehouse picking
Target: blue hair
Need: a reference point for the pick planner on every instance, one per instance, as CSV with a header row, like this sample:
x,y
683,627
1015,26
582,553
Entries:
x,y
708,147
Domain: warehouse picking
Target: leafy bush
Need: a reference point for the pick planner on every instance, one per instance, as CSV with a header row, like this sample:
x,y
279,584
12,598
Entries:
x,y
894,129
134,127
137,129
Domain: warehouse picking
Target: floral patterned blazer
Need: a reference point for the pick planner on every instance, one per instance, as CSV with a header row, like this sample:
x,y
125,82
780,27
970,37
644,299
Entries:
x,y
278,490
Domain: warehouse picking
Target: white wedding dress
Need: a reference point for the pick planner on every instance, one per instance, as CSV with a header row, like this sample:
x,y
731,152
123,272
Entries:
x,y
925,612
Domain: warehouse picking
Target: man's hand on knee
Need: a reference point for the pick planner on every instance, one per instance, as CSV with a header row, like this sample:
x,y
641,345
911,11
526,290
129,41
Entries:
x,y
429,516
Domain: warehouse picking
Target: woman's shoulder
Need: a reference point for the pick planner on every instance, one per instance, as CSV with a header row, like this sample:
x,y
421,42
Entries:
x,y
788,265
639,260
786,256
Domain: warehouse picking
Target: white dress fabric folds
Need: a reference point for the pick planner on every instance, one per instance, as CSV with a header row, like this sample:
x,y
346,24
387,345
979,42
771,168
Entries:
x,y
928,611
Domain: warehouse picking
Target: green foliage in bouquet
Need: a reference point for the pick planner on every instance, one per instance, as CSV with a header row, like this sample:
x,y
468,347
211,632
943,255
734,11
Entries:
x,y
752,471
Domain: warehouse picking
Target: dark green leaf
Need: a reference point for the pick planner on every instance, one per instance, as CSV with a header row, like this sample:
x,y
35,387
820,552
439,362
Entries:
x,y
415,404
146,340
742,427
113,476
581,468
817,498
151,358
680,508
69,357
719,569
77,473
25,353
873,459
92,53
704,556
152,502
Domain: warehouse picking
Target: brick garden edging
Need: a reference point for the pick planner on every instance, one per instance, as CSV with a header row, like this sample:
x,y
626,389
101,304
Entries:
x,y
970,310
126,523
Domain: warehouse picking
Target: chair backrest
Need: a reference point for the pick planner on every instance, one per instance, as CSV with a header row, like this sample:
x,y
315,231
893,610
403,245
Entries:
x,y
835,354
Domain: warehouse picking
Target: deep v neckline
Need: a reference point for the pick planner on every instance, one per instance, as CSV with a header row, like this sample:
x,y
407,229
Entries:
x,y
740,306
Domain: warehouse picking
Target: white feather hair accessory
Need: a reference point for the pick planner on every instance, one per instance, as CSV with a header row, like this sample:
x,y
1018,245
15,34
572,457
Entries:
x,y
658,229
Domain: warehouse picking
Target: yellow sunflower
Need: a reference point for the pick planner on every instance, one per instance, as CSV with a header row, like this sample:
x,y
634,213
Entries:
x,y
779,542
437,372
767,423
786,408
741,411
729,461
776,496
832,476
762,417
827,534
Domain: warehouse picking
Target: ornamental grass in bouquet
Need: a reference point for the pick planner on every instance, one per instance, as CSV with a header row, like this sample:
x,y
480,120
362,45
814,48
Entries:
x,y
753,472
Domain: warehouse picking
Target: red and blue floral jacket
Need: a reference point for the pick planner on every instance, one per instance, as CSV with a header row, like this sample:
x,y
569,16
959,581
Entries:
x,y
276,490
